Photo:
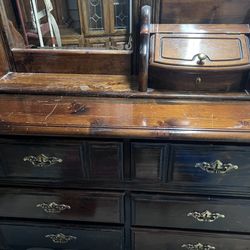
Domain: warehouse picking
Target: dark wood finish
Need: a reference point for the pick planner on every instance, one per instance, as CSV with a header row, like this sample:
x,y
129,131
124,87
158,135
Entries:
x,y
174,212
123,117
174,60
181,50
207,82
186,172
174,240
82,206
68,61
207,11
148,161
99,85
144,47
33,235
4,60
68,164
105,160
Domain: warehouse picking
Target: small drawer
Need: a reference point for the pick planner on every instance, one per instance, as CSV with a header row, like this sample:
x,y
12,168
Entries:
x,y
44,236
62,205
182,240
199,213
40,160
221,168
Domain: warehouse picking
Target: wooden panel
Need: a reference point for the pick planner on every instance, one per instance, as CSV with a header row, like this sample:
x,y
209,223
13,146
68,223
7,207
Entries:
x,y
73,61
176,240
216,167
206,11
124,117
221,50
148,161
44,161
209,82
32,235
105,160
200,213
61,205
101,85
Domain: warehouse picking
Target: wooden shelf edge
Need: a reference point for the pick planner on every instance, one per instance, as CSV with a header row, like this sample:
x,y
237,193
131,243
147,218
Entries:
x,y
98,85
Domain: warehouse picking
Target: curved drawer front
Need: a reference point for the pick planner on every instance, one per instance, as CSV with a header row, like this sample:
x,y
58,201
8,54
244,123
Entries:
x,y
62,205
211,166
205,213
179,240
42,236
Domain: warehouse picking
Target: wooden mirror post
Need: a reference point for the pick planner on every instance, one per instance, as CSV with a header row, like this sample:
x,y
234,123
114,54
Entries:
x,y
144,47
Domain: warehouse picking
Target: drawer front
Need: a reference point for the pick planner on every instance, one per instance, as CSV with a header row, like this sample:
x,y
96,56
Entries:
x,y
34,160
199,213
178,240
212,167
189,81
68,161
62,205
41,236
148,161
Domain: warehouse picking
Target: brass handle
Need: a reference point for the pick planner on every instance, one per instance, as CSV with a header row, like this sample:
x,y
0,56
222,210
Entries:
x,y
60,238
198,246
202,57
42,161
206,216
53,208
216,167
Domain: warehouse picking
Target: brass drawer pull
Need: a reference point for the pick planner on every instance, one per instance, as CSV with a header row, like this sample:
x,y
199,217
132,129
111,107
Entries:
x,y
198,246
53,208
42,161
201,58
206,216
60,238
216,167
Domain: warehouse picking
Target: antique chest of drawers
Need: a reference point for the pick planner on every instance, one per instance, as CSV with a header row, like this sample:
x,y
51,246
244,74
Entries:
x,y
117,194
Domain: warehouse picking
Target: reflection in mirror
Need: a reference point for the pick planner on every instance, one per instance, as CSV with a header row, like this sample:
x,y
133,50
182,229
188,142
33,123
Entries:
x,y
105,24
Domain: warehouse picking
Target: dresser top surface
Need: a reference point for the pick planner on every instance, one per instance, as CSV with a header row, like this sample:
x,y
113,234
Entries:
x,y
124,117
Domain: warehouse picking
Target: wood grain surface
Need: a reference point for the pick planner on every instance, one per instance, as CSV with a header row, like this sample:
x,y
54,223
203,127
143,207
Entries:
x,y
58,115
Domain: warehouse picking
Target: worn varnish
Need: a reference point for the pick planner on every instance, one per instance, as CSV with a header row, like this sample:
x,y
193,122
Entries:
x,y
116,117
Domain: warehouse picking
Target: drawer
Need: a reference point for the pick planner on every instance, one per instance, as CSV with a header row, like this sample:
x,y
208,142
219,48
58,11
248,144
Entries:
x,y
196,81
214,167
60,161
62,205
31,159
180,240
42,236
201,213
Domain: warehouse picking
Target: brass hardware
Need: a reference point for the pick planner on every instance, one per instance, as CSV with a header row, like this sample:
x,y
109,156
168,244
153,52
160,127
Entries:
x,y
198,80
216,167
206,216
202,57
60,238
198,246
53,208
42,161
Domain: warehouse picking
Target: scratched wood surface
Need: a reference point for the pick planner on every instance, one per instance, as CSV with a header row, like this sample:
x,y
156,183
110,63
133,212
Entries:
x,y
97,85
85,116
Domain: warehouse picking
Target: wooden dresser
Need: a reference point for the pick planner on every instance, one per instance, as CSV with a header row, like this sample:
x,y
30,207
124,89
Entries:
x,y
87,162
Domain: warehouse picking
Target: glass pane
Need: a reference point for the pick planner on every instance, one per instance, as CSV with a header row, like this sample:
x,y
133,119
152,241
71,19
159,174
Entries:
x,y
59,24
96,15
121,8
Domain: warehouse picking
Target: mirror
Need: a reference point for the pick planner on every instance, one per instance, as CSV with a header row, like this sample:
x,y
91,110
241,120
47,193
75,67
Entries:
x,y
67,24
